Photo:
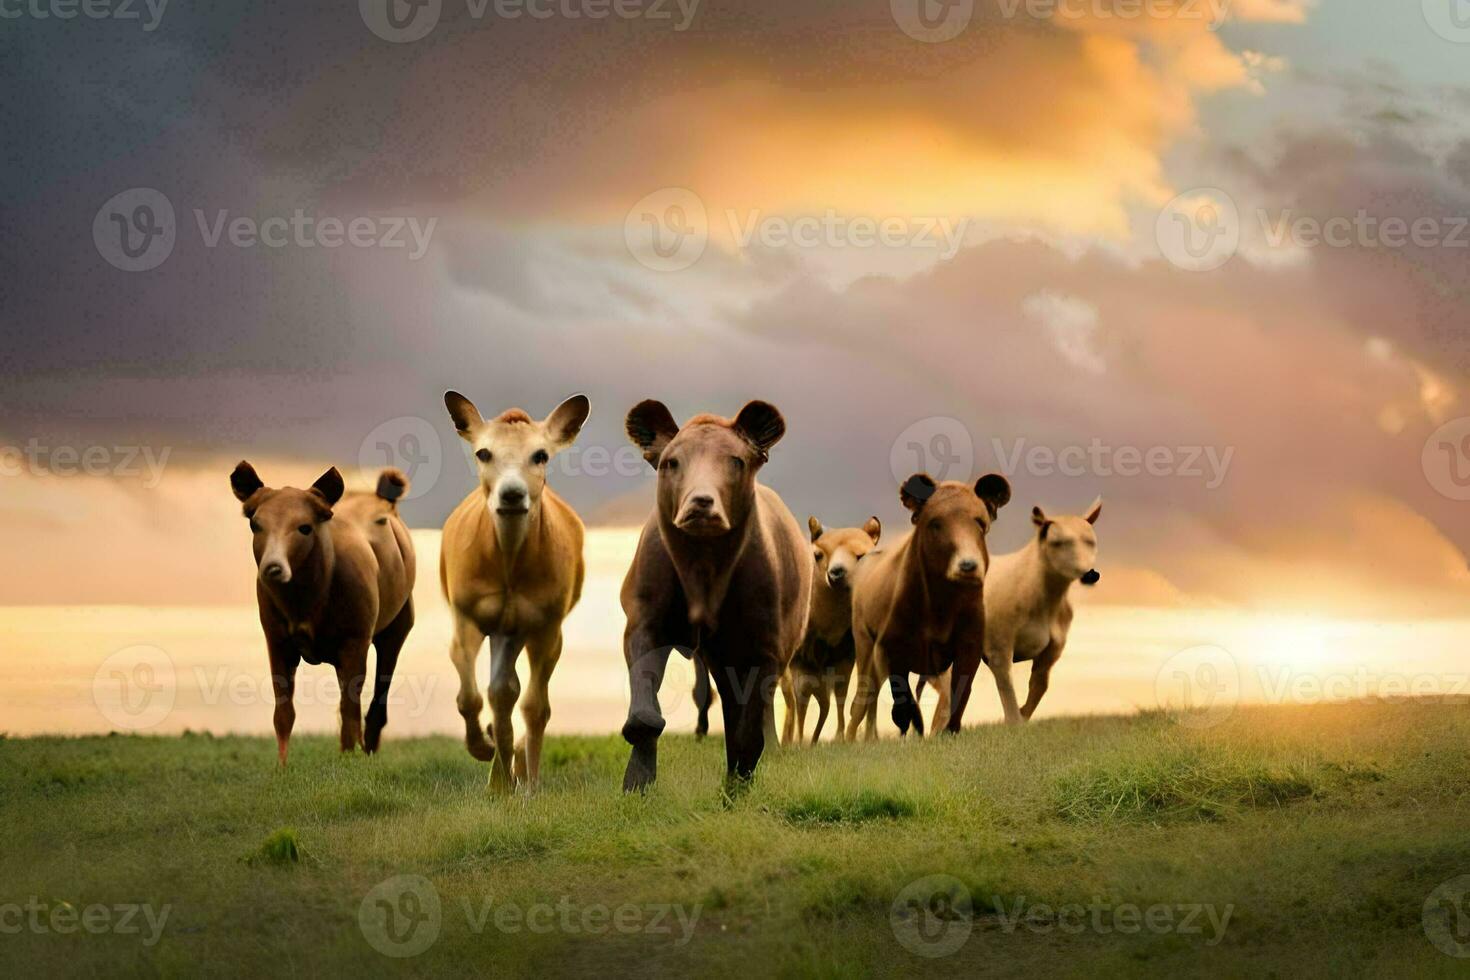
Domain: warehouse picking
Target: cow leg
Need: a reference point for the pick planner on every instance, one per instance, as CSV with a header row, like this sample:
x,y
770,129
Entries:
x,y
940,719
961,685
283,680
824,696
865,697
464,650
749,720
703,696
543,651
1040,677
788,697
1000,662
351,678
646,663
839,691
905,708
388,644
505,690
804,684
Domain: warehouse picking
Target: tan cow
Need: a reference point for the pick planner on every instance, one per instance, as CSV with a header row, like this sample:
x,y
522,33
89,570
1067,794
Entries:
x,y
334,574
722,568
822,666
511,567
918,609
1027,613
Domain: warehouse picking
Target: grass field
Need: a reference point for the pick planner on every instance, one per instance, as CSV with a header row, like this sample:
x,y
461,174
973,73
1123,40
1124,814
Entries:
x,y
1284,841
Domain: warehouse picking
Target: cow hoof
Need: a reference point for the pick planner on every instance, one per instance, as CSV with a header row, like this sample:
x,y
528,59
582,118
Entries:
x,y
642,728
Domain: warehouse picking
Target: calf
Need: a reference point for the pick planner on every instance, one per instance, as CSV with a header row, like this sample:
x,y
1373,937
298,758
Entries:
x,y
721,569
822,665
919,608
334,574
1027,613
511,566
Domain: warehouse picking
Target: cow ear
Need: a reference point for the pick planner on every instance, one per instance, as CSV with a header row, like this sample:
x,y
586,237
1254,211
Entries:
x,y
916,491
462,411
392,484
1094,512
1039,518
874,528
566,420
995,490
329,486
244,481
761,423
815,526
651,427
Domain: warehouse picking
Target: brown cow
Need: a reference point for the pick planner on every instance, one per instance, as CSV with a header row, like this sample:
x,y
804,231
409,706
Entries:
x,y
511,567
334,574
722,569
823,664
919,608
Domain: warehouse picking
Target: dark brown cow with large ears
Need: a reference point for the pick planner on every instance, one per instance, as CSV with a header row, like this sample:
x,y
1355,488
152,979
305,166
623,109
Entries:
x,y
723,568
919,608
334,574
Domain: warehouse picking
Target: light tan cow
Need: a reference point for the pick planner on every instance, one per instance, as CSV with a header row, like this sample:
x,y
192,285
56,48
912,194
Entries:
x,y
1027,613
511,567
822,665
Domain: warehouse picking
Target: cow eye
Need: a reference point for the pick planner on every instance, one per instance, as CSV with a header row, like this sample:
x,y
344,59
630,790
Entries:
x,y
254,528
739,463
818,556
483,455
382,520
539,457
981,521
304,529
671,464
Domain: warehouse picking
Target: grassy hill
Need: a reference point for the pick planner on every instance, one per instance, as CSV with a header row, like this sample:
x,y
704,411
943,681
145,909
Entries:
x,y
1285,841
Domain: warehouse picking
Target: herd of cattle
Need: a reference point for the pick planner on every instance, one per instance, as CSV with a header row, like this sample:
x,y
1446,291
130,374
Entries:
x,y
722,573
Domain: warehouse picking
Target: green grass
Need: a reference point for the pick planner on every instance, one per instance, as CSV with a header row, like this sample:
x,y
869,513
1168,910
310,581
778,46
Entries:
x,y
1321,830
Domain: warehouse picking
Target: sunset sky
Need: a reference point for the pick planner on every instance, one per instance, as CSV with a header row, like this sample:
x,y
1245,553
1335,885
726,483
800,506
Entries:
x,y
1278,433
